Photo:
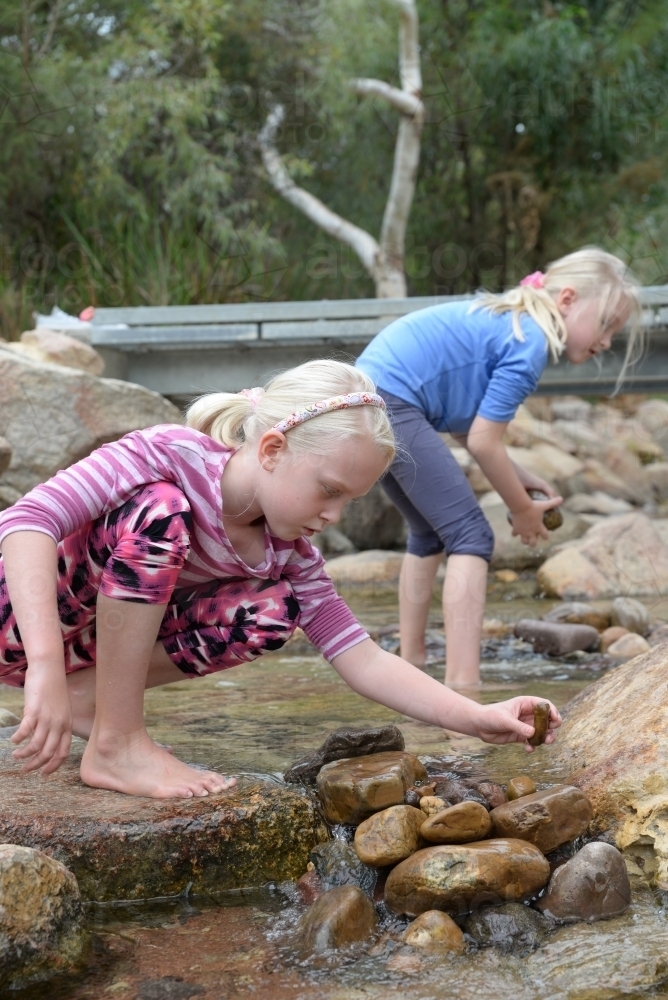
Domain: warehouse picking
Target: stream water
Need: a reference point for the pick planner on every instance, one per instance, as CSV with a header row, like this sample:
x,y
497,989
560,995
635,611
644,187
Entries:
x,y
261,717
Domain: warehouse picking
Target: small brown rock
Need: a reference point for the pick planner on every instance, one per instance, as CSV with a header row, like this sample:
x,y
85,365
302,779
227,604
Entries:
x,y
541,724
506,575
340,917
629,646
352,790
611,635
494,794
460,824
556,638
309,887
434,930
547,819
430,805
578,613
412,798
591,886
454,791
404,965
389,836
522,785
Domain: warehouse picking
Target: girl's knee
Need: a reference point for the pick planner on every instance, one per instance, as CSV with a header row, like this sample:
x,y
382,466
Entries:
x,y
474,537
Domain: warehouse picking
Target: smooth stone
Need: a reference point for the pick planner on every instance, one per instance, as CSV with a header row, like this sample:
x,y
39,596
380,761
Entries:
x,y
519,786
460,878
597,503
41,917
628,647
506,576
373,522
61,349
578,613
337,863
389,836
352,790
343,743
546,819
556,638
372,570
309,887
510,553
630,614
412,798
611,635
340,917
460,824
8,719
494,795
431,805
434,930
594,885
455,791
510,927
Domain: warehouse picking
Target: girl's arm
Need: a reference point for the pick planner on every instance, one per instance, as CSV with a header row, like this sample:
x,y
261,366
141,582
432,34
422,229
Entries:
x,y
485,444
30,564
391,681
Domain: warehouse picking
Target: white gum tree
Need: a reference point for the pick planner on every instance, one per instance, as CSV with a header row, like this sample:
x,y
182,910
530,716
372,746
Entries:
x,y
382,258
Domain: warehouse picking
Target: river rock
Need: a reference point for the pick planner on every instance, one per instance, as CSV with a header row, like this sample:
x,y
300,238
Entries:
x,y
337,863
628,647
593,885
519,786
612,558
373,570
373,522
494,795
436,931
309,887
454,791
510,553
609,636
630,614
510,927
61,349
578,613
389,836
332,542
556,638
597,476
547,819
41,917
5,454
431,805
352,790
461,878
597,503
460,824
655,478
8,719
340,917
53,416
345,742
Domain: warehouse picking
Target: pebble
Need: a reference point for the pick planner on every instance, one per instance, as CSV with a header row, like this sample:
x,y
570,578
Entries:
x,y
506,575
546,819
458,791
340,917
611,635
556,638
434,930
630,614
389,836
517,787
345,742
459,878
309,887
578,613
431,805
352,790
628,646
493,794
336,863
510,927
460,824
593,885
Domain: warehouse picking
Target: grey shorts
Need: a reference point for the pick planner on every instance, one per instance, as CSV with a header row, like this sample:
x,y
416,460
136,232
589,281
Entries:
x,y
427,485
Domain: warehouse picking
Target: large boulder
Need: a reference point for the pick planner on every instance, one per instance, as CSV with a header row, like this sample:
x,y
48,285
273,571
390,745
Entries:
x,y
52,416
372,570
509,550
373,522
623,555
60,349
614,746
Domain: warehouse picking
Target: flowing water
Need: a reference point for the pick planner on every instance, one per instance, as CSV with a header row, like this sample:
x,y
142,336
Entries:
x,y
261,717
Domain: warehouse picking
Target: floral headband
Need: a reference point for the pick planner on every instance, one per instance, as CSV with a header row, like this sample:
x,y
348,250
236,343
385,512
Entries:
x,y
317,409
535,280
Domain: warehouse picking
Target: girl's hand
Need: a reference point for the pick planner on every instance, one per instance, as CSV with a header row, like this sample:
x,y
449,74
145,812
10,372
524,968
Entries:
x,y
528,523
531,482
512,721
47,719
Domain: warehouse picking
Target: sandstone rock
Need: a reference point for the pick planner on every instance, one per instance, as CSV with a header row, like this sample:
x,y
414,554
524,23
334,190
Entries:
x,y
625,554
597,477
609,636
459,824
53,416
586,442
434,930
336,863
550,463
655,479
461,878
5,454
352,790
493,794
510,927
628,647
340,917
570,408
547,819
8,719
431,805
510,553
526,430
373,570
556,638
373,522
8,496
60,349
594,885
309,887
630,614
597,503
653,415
41,917
578,613
346,741
520,786
389,836
506,576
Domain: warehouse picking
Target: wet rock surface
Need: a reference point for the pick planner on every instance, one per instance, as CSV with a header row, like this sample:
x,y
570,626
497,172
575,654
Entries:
x,y
628,646
547,819
389,836
630,614
594,885
344,742
434,930
337,863
41,917
340,917
519,786
352,790
454,791
460,824
510,927
556,638
578,613
457,879
611,635
493,794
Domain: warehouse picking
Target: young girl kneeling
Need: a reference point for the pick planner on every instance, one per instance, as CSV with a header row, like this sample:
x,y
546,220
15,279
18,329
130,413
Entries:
x,y
180,551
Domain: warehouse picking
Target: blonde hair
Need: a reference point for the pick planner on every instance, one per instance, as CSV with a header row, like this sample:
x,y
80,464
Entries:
x,y
232,419
592,273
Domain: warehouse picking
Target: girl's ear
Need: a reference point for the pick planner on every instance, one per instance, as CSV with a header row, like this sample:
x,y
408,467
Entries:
x,y
566,299
271,447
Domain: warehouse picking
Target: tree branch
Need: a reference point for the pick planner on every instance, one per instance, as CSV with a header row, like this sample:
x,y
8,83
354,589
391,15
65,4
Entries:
x,y
405,103
409,48
48,38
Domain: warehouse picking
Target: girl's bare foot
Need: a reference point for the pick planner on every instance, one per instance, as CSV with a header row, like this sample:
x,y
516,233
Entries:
x,y
134,764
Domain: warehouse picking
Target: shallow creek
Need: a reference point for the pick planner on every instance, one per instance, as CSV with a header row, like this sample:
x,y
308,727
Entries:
x,y
258,719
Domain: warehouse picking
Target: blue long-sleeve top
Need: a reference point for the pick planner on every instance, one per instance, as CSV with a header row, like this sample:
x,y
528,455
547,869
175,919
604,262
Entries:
x,y
453,363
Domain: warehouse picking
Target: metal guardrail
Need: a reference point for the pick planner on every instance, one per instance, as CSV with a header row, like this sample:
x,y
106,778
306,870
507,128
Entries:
x,y
181,351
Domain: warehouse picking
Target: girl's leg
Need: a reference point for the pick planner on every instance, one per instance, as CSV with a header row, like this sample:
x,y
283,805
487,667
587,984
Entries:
x,y
415,589
464,593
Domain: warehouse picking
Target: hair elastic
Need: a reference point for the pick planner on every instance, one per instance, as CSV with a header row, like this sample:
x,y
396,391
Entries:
x,y
328,406
255,395
535,280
